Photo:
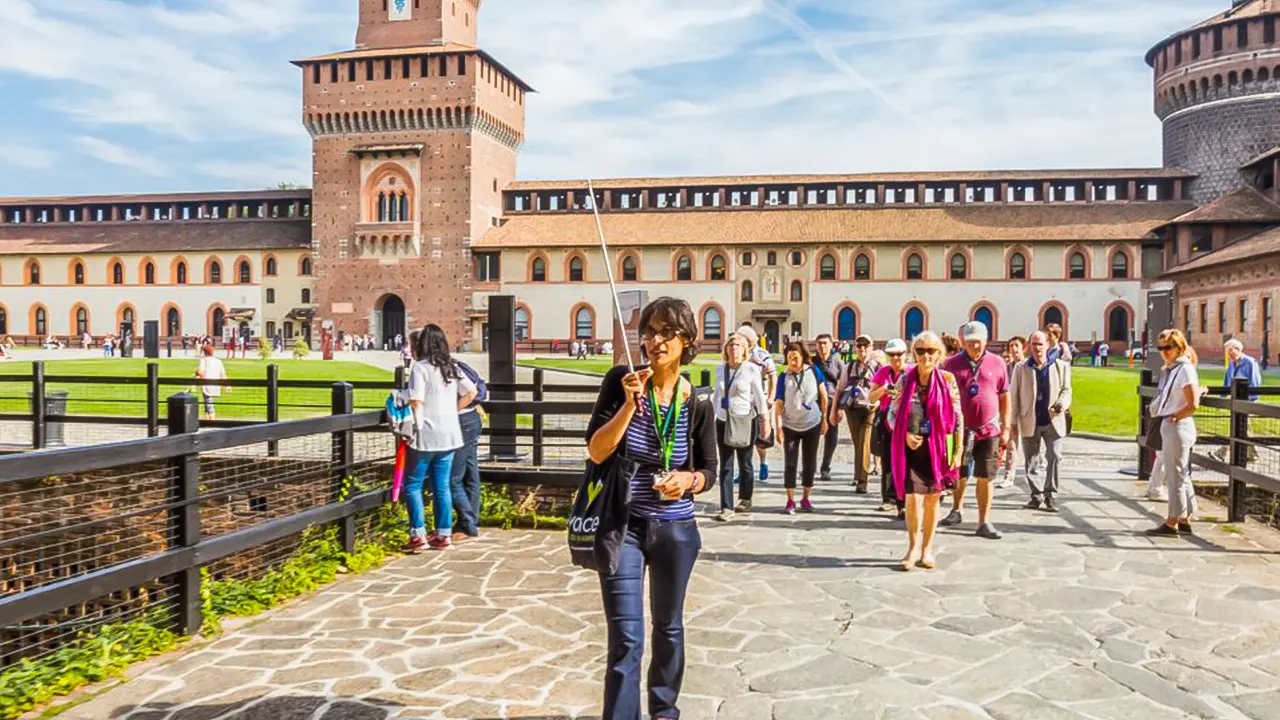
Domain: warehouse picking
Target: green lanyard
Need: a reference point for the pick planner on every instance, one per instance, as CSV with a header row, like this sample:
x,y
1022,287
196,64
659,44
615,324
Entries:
x,y
666,426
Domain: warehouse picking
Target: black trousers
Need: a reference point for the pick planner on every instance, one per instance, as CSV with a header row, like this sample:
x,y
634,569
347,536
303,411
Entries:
x,y
801,449
830,442
746,467
888,493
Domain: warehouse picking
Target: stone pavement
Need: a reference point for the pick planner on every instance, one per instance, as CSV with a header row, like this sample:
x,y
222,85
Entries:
x,y
1076,615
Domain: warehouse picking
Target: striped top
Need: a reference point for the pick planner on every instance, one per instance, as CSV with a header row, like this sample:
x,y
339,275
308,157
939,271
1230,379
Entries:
x,y
644,448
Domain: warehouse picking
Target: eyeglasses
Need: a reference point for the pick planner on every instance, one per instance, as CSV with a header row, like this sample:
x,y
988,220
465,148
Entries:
x,y
1166,348
665,334
921,352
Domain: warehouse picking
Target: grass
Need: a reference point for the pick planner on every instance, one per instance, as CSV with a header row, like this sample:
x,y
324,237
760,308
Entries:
x,y
240,404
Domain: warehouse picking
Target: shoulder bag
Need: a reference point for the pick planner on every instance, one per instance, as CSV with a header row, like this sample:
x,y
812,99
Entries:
x,y
738,429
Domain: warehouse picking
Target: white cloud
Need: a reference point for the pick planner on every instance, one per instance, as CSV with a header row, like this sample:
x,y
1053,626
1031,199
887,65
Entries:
x,y
120,156
26,156
259,174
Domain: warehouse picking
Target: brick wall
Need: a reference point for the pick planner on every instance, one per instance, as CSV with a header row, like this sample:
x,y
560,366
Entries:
x,y
1252,282
1213,141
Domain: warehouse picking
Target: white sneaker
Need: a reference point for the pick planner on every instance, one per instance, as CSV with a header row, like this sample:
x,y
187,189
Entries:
x,y
725,516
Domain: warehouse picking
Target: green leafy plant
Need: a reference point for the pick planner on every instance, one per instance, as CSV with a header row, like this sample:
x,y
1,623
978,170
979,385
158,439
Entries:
x,y
300,348
264,348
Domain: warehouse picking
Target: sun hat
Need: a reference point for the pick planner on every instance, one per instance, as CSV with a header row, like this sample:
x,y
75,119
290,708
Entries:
x,y
895,347
973,331
864,340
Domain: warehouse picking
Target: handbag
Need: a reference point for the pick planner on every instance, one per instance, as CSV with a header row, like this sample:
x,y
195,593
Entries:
x,y
1155,441
766,442
598,520
739,431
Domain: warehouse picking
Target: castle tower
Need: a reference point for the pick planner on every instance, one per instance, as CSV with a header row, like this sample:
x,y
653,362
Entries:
x,y
415,134
1217,90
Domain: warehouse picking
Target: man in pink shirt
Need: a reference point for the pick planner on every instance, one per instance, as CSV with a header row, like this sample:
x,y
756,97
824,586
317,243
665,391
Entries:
x,y
983,380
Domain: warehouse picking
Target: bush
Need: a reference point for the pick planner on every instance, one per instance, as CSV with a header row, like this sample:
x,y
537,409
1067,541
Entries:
x,y
300,348
264,348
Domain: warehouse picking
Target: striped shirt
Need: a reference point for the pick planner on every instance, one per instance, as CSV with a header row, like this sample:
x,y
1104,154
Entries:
x,y
644,448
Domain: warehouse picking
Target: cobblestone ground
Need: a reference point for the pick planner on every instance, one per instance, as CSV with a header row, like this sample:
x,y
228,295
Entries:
x,y
1075,615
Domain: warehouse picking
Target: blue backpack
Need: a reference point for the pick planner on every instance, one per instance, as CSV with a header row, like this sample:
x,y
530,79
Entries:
x,y
482,390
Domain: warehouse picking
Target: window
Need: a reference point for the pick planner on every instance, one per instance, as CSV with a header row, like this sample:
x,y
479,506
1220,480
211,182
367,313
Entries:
x,y
576,273
583,325
1204,318
797,330
747,259
1222,317
712,324
827,267
522,324
629,270
149,274
1120,266
862,267
1201,240
684,268
797,291
539,272
1018,266
82,321
1242,316
797,258
959,266
771,259
117,273
1186,320
271,329
1076,271
306,296
79,274
173,323
215,273
182,273
271,296
42,321
305,269
271,269
719,269
488,267
246,273
915,267
33,273
748,291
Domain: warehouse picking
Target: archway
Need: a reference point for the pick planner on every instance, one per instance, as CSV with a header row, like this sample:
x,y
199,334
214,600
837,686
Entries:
x,y
985,316
913,324
1118,325
847,324
389,320
1053,316
771,334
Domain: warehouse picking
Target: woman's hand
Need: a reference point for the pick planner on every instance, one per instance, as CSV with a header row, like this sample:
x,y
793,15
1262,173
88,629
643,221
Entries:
x,y
675,485
914,441
837,417
633,387
825,427
778,436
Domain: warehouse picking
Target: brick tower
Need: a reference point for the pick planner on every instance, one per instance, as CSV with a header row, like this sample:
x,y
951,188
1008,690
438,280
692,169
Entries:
x,y
415,133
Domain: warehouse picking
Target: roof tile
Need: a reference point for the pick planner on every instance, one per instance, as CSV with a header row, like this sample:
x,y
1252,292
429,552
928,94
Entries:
x,y
86,238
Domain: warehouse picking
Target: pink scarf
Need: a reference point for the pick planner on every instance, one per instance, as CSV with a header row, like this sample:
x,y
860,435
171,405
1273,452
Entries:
x,y
942,416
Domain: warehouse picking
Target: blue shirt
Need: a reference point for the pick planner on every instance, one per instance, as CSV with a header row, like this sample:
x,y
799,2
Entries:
x,y
644,448
1042,391
1247,368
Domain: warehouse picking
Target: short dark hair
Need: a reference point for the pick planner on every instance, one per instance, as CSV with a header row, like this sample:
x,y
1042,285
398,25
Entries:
x,y
673,313
798,347
824,336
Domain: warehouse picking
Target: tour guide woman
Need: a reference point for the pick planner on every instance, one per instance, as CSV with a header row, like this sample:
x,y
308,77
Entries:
x,y
652,417
1176,403
927,426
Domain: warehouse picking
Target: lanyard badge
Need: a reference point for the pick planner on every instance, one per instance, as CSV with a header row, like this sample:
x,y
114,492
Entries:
x,y
666,426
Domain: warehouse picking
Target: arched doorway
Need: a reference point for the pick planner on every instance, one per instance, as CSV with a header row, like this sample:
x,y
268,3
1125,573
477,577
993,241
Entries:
x,y
389,320
219,322
847,324
988,318
913,324
771,335
1053,316
1118,324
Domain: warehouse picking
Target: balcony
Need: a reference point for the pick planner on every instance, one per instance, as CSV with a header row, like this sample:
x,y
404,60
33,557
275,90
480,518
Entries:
x,y
387,241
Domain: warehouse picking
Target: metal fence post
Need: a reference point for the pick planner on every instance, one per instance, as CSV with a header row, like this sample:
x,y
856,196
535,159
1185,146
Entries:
x,y
706,379
184,418
539,394
153,399
1146,458
402,380
273,405
343,457
38,426
1239,450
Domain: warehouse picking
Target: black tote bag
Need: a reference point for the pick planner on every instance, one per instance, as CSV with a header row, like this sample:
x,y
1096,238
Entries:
x,y
598,521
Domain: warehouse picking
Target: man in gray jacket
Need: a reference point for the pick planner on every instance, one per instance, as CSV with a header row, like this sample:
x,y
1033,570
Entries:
x,y
1040,397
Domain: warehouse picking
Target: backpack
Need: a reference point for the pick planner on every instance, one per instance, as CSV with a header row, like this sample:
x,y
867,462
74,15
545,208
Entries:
x,y
400,416
482,390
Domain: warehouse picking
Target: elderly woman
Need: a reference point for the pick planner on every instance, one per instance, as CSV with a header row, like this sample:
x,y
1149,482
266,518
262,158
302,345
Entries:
x,y
652,417
1176,403
926,445
742,415
801,404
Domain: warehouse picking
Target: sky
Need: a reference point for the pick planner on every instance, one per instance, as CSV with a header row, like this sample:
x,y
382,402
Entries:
x,y
119,96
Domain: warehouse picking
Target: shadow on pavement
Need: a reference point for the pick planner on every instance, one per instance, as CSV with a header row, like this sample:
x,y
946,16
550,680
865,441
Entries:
x,y
300,707
812,562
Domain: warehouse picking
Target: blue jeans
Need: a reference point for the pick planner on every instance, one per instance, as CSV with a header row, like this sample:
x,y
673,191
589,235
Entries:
x,y
746,472
668,548
419,465
465,481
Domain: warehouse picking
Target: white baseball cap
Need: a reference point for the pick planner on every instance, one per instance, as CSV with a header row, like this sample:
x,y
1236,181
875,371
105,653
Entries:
x,y
895,347
973,331
749,333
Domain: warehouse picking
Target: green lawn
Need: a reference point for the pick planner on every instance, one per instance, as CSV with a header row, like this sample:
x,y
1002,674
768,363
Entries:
x,y
240,404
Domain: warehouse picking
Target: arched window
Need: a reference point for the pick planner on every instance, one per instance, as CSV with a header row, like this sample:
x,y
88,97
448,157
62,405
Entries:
x,y
584,325
306,296
1053,316
271,267
1120,266
42,321
388,196
149,274
182,273
719,268
218,322
117,273
79,273
33,272
82,321
684,268
712,324
827,267
522,324
913,323
847,324
862,267
1118,324
215,273
1017,266
576,273
539,271
748,291
797,291
915,267
1077,266
173,322
985,316
306,267
127,318
629,270
246,272
959,266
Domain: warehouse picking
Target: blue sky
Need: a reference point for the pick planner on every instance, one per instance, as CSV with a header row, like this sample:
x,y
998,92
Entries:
x,y
104,96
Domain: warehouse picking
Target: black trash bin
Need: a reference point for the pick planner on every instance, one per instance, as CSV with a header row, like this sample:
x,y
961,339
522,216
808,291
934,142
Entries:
x,y
55,403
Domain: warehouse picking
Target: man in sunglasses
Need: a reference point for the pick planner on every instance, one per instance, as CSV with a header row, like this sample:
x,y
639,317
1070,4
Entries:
x,y
1041,396
983,380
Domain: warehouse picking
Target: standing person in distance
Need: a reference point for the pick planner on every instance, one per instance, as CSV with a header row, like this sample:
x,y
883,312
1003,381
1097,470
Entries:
x,y
1041,396
833,370
1014,353
768,383
1174,408
210,368
884,389
983,379
739,398
1241,366
437,393
853,400
801,403
652,417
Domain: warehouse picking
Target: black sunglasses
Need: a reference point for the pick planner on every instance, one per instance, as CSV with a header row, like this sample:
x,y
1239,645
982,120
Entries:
x,y
920,352
1163,348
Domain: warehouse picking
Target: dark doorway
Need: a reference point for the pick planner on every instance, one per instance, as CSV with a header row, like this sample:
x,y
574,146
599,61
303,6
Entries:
x,y
1118,325
771,335
1053,316
391,318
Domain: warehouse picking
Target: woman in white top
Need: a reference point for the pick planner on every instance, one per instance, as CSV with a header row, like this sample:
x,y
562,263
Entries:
x,y
802,412
1174,408
437,391
742,408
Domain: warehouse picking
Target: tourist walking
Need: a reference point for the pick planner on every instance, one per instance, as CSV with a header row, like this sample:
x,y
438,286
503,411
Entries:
x,y
437,392
1040,399
853,402
768,382
1015,349
651,417
801,406
884,389
1174,409
983,379
211,370
1058,348
927,425
833,370
742,416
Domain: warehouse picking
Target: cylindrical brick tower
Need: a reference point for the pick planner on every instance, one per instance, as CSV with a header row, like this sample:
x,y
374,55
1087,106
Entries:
x,y
1217,90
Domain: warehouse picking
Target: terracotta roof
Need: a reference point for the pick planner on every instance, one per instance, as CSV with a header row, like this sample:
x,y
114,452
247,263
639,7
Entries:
x,y
119,238
1248,9
415,51
1245,205
303,194
1264,157
897,177
1264,243
1012,223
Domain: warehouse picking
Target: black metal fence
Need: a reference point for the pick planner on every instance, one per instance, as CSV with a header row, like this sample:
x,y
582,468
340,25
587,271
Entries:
x,y
1238,436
